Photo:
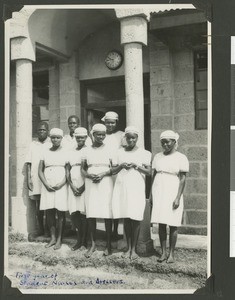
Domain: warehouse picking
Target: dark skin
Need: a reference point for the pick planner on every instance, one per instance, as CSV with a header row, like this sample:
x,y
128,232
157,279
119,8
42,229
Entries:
x,y
98,138
73,123
168,146
51,213
78,219
42,132
131,227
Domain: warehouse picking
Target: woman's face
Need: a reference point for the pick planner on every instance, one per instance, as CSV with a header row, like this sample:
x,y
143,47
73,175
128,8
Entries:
x,y
80,140
99,136
56,140
72,124
42,132
131,139
167,145
110,125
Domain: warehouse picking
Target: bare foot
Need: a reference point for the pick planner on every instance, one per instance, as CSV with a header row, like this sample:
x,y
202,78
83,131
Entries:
x,y
57,245
134,255
162,258
170,260
90,252
76,246
107,252
126,254
51,243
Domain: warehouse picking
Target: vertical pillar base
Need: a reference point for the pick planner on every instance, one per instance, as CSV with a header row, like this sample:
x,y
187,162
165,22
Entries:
x,y
23,215
19,221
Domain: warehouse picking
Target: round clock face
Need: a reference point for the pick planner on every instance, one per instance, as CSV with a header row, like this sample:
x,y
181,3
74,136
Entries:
x,y
114,60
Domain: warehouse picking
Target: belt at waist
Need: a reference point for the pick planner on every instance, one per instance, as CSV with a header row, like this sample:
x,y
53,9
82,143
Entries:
x,y
98,165
75,165
53,166
165,172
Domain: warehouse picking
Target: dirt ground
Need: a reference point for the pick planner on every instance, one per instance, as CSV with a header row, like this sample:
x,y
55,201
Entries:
x,y
32,266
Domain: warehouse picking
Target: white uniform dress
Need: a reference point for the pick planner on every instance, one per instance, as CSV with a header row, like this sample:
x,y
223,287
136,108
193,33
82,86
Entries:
x,y
36,149
54,172
129,191
70,143
165,188
98,196
115,140
76,203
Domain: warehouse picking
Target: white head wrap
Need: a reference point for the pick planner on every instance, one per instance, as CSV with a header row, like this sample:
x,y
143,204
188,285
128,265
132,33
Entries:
x,y
132,129
110,115
80,131
169,134
98,127
56,131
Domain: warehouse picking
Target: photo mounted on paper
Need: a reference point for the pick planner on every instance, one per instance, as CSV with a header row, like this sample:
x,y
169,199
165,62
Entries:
x,y
84,81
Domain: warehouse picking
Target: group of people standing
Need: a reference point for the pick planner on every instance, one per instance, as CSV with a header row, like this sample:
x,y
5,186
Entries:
x,y
102,175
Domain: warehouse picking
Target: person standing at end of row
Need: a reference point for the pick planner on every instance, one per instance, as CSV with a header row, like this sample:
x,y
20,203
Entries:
x,y
33,181
115,140
76,195
54,188
69,140
96,168
170,168
129,198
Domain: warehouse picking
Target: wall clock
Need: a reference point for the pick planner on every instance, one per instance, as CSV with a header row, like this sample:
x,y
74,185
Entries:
x,y
114,60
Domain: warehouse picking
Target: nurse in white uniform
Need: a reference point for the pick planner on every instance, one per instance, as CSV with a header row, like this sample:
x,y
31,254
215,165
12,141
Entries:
x,y
96,167
128,199
76,188
115,140
170,168
54,189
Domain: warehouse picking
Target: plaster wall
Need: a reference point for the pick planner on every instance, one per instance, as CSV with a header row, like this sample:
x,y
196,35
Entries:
x,y
93,51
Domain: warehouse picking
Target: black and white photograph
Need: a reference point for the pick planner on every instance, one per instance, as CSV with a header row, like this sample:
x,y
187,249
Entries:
x,y
108,148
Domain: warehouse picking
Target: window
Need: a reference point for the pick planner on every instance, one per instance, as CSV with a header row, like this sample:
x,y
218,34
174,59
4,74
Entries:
x,y
40,99
200,60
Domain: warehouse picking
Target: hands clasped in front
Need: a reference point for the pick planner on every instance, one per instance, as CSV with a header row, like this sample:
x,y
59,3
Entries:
x,y
96,178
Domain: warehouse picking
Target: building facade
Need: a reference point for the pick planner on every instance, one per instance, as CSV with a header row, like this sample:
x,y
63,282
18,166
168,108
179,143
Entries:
x,y
57,68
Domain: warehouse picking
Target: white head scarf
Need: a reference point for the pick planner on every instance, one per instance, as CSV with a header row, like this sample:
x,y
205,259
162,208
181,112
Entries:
x,y
56,131
110,115
170,134
132,129
98,127
80,131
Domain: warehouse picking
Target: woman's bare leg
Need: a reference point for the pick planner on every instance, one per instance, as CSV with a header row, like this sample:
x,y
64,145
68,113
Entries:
x,y
134,239
92,227
162,237
61,223
172,241
127,228
108,228
76,220
51,223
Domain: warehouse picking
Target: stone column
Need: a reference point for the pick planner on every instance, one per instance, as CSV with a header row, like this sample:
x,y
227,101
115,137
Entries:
x,y
133,36
23,55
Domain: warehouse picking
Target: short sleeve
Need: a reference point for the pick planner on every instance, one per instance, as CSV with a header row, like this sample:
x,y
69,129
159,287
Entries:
x,y
114,159
184,163
146,159
84,153
43,154
28,157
